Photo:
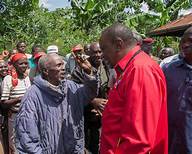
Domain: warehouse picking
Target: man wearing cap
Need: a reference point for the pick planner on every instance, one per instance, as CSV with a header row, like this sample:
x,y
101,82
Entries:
x,y
35,48
70,60
13,88
146,46
52,49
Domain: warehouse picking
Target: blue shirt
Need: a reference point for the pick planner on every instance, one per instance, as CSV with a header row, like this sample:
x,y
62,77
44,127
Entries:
x,y
179,96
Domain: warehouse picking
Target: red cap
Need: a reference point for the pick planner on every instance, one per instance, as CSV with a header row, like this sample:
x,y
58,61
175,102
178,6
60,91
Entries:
x,y
77,48
39,54
17,57
148,40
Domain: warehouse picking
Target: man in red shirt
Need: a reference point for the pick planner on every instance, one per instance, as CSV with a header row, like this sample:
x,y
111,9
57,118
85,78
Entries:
x,y
135,118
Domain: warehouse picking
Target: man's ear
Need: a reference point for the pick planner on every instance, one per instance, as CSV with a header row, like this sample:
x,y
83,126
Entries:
x,y
118,44
45,72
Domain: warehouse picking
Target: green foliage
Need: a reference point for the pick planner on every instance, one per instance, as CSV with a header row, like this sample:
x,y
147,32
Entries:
x,y
82,22
40,26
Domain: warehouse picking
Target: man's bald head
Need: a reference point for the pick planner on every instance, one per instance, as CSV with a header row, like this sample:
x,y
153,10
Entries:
x,y
115,42
121,31
86,48
94,45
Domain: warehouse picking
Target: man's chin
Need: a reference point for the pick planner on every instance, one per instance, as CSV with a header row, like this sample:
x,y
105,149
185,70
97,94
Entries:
x,y
62,77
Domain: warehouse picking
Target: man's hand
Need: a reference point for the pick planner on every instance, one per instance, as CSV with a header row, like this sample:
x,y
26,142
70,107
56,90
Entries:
x,y
83,63
99,104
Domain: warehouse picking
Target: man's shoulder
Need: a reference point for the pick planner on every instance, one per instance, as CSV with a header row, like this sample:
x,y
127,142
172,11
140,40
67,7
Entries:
x,y
174,64
145,61
70,84
32,91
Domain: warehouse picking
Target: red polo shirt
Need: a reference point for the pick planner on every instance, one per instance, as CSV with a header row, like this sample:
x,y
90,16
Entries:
x,y
135,118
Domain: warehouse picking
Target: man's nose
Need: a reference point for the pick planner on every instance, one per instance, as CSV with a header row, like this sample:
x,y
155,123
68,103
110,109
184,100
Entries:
x,y
98,54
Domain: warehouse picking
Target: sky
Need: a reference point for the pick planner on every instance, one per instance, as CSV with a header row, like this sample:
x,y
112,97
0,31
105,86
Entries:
x,y
53,4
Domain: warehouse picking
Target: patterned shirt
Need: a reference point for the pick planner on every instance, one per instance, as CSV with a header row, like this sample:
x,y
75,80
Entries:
x,y
10,92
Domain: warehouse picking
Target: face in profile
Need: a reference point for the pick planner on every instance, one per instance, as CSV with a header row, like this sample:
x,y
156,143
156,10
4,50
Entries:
x,y
108,50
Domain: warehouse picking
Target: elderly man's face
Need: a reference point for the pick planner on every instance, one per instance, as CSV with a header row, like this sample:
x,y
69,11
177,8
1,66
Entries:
x,y
108,49
186,47
21,65
3,69
55,70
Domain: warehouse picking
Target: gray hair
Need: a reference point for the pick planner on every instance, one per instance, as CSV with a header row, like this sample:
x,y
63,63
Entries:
x,y
42,64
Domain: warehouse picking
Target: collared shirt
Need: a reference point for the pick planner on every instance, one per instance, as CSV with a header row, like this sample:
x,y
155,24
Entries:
x,y
135,118
179,98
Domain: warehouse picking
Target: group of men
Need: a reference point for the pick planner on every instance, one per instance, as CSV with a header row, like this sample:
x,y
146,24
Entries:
x,y
87,108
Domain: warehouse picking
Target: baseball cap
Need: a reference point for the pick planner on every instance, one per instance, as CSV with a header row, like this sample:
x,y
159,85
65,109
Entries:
x,y
52,49
78,47
148,40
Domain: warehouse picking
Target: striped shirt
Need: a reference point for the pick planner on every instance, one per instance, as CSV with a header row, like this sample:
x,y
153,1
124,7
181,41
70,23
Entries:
x,y
10,92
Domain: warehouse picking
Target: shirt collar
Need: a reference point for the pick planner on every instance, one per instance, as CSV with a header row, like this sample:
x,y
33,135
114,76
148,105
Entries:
x,y
120,66
181,63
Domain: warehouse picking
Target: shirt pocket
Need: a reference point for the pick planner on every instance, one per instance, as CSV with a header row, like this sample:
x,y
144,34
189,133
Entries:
x,y
185,98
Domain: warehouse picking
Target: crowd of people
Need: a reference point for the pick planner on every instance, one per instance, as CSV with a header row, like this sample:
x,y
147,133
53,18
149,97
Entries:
x,y
109,97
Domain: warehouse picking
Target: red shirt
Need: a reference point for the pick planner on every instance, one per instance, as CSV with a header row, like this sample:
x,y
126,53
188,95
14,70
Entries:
x,y
135,118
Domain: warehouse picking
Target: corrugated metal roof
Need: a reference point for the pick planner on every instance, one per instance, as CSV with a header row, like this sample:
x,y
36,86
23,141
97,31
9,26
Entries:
x,y
174,28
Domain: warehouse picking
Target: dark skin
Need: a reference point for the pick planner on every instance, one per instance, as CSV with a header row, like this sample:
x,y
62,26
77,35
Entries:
x,y
3,69
95,60
35,50
114,51
21,47
21,66
55,71
95,54
83,63
186,46
86,48
166,53
147,47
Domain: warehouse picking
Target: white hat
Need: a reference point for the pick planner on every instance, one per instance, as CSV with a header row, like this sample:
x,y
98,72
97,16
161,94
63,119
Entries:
x,y
52,49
